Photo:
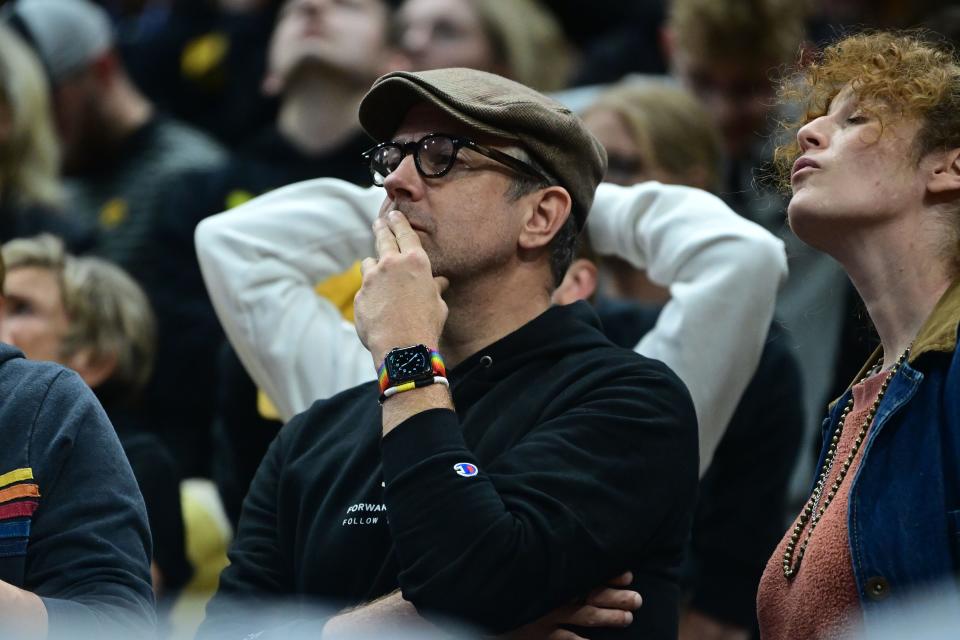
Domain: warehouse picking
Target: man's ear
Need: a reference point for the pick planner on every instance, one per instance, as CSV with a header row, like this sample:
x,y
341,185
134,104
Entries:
x,y
945,177
95,370
548,211
579,283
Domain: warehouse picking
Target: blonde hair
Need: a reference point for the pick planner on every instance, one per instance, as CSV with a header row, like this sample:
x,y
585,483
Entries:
x,y
29,154
528,40
670,127
896,74
767,31
107,311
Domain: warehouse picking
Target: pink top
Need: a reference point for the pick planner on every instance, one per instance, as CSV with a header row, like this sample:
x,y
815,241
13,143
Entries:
x,y
821,600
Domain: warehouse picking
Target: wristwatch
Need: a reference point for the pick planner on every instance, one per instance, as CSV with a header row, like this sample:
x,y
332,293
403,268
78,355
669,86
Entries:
x,y
406,368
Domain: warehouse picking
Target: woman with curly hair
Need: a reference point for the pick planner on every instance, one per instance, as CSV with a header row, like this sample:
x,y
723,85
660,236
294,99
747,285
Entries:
x,y
875,176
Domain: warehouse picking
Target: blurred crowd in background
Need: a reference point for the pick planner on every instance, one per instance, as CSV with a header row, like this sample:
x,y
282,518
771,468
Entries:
x,y
122,129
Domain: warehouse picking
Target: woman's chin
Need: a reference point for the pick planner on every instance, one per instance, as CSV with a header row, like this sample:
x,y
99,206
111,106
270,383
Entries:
x,y
813,226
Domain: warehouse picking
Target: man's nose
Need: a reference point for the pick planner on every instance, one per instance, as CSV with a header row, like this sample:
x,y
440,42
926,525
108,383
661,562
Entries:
x,y
404,182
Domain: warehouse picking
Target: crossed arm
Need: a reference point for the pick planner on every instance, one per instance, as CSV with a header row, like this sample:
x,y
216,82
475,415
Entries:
x,y
609,606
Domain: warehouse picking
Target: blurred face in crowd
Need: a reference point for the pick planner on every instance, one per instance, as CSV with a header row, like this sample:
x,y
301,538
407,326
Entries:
x,y
345,37
436,34
33,318
81,124
626,164
738,94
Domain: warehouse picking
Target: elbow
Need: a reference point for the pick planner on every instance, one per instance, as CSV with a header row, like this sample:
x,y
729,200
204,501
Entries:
x,y
471,610
206,237
494,596
763,260
775,255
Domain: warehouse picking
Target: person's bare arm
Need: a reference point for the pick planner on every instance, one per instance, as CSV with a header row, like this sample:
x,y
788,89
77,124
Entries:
x,y
385,615
22,614
609,606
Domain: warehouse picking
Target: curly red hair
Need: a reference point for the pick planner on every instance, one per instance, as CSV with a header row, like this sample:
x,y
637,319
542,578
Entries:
x,y
894,74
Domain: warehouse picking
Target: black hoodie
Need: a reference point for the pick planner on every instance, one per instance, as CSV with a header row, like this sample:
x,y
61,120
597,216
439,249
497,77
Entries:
x,y
587,458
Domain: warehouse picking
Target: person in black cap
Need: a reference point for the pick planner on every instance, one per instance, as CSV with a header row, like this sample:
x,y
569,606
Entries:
x,y
118,153
509,459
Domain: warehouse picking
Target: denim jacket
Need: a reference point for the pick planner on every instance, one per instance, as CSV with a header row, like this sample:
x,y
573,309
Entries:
x,y
904,509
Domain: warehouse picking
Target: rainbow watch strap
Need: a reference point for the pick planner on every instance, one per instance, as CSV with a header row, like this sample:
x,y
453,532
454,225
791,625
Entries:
x,y
436,362
439,368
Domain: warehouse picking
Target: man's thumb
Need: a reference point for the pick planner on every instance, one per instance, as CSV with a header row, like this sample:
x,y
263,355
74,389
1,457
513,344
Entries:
x,y
442,284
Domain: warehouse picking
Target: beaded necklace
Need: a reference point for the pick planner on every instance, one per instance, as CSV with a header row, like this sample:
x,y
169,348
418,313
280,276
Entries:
x,y
813,506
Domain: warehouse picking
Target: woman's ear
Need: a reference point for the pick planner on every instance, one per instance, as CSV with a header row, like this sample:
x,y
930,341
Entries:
x,y
95,370
579,283
945,177
549,209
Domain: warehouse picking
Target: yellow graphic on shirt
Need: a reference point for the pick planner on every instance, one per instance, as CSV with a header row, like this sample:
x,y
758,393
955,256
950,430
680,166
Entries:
x,y
340,290
17,475
114,213
237,197
203,55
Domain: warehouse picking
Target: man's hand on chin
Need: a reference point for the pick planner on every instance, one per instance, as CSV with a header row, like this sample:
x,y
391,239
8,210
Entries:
x,y
399,303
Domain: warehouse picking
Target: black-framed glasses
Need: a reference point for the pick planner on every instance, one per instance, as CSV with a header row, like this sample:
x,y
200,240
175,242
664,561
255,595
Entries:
x,y
434,155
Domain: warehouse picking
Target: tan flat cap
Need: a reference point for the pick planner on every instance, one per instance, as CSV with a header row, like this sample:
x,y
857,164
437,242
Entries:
x,y
553,135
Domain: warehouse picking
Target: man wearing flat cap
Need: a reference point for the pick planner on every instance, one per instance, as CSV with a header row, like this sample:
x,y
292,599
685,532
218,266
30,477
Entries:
x,y
509,458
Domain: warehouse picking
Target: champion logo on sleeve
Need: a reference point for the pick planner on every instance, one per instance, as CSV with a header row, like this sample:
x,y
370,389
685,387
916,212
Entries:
x,y
466,469
19,498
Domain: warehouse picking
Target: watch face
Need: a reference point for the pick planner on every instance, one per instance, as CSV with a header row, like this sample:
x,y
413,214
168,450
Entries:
x,y
408,363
